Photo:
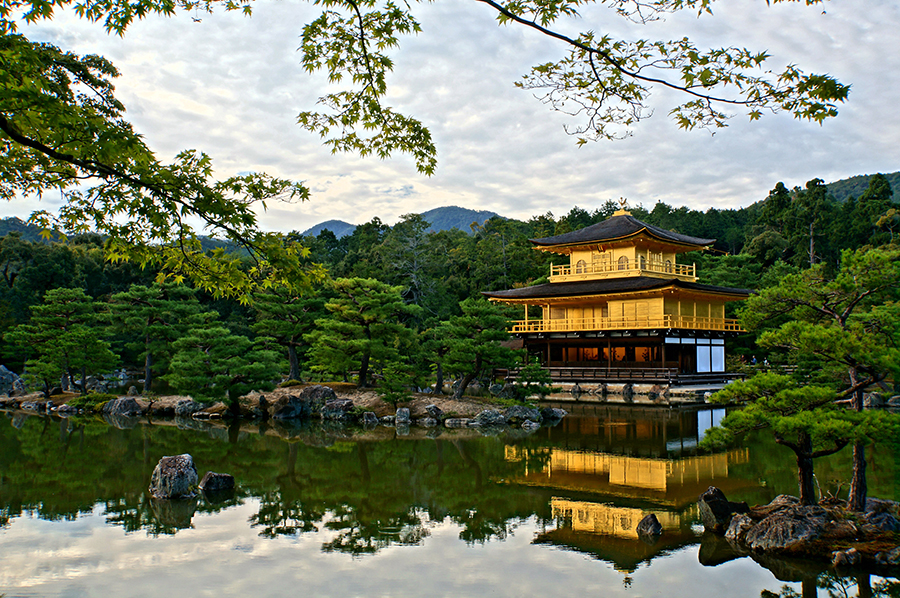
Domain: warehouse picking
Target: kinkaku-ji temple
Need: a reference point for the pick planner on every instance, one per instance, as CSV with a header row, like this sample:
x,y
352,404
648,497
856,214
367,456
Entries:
x,y
624,308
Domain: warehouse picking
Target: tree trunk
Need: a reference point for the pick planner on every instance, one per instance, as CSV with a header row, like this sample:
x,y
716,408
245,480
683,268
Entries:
x,y
805,471
439,383
463,385
148,372
364,371
295,363
858,486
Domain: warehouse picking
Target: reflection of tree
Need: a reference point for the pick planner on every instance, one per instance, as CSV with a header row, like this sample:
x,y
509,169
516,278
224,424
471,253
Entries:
x,y
358,536
280,516
856,586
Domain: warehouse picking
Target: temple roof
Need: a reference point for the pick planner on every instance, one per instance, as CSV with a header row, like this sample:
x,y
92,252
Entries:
x,y
617,227
607,286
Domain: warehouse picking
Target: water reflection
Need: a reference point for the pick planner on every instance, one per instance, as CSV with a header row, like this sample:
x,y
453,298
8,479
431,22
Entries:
x,y
579,488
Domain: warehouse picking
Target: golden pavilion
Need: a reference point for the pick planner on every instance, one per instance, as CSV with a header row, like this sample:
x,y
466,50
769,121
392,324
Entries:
x,y
624,308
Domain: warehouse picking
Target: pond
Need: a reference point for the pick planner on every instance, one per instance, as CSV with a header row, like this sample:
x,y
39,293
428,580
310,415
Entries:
x,y
325,511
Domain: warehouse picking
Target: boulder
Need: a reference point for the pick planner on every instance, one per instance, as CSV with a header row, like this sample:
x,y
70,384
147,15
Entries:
x,y
8,380
716,511
552,414
890,558
520,413
18,389
872,400
174,477
577,391
369,419
846,558
649,528
628,392
740,523
456,422
401,418
789,529
882,521
125,406
337,409
434,412
489,417
307,404
894,401
387,420
530,425
216,482
430,422
132,391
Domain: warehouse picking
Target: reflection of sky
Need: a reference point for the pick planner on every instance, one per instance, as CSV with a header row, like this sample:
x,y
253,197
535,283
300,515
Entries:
x,y
222,555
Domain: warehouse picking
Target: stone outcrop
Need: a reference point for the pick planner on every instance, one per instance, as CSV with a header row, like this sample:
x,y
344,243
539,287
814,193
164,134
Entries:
x,y
174,477
786,528
401,418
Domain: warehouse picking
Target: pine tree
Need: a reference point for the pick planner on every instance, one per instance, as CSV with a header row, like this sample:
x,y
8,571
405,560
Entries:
x,y
286,317
367,324
64,336
474,341
158,315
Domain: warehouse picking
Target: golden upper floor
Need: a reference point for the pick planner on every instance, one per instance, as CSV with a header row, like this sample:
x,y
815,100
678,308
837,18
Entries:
x,y
621,246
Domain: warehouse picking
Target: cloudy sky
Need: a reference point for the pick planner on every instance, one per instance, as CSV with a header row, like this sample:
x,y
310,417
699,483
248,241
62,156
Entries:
x,y
232,86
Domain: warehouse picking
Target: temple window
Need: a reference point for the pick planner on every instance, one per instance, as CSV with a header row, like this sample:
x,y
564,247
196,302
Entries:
x,y
623,263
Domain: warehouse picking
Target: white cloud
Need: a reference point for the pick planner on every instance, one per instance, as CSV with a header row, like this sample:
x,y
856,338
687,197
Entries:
x,y
232,86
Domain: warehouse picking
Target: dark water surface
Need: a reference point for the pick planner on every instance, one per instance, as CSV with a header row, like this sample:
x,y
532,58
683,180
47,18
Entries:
x,y
333,512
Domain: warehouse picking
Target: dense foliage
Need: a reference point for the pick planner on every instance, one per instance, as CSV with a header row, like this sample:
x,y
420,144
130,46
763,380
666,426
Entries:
x,y
403,300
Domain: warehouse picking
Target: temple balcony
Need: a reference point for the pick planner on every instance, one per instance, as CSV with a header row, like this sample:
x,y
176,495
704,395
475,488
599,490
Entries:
x,y
630,323
621,269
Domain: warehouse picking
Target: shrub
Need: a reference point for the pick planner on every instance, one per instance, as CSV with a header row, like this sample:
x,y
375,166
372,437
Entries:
x,y
92,401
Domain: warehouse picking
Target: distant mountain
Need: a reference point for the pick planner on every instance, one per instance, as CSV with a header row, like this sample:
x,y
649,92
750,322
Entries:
x,y
450,217
855,185
445,218
338,227
29,232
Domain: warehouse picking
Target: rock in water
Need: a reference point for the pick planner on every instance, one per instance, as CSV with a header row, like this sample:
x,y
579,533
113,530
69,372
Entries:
x,y
489,417
649,528
126,406
174,477
216,482
716,511
520,413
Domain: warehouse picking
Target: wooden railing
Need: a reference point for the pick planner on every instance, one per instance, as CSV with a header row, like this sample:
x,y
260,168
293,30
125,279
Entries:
x,y
622,374
665,321
614,269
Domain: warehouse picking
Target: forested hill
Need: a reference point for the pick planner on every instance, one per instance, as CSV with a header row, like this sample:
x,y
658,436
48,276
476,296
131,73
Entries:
x,y
445,218
854,186
29,232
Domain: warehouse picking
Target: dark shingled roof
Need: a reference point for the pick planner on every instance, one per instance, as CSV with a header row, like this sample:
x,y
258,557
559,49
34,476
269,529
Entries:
x,y
605,286
618,227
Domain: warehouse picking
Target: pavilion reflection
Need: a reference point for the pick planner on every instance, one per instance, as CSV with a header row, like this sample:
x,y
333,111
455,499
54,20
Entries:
x,y
609,468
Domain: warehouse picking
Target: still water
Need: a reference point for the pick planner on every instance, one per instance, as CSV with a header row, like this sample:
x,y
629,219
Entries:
x,y
333,512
